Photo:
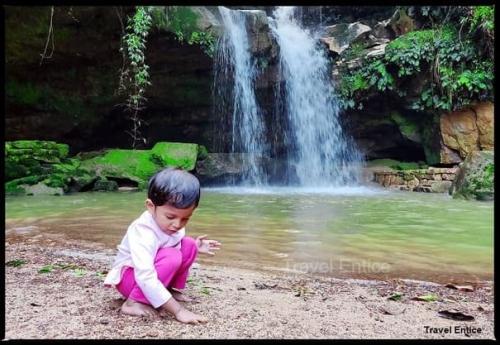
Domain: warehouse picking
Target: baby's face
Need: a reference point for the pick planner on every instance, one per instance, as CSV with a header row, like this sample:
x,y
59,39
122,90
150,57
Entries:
x,y
170,219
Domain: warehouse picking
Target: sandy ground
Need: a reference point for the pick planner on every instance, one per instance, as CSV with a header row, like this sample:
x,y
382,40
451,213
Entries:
x,y
71,302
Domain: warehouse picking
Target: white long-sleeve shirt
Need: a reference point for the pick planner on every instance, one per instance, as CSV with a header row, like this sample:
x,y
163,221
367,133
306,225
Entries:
x,y
138,249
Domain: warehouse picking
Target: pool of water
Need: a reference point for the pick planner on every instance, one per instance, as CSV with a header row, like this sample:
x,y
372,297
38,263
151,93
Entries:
x,y
360,232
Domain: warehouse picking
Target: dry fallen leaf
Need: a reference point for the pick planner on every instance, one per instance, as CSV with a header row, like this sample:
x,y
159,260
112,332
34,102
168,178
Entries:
x,y
455,315
469,288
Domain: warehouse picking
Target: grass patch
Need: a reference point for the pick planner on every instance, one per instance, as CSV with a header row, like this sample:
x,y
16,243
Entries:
x,y
15,263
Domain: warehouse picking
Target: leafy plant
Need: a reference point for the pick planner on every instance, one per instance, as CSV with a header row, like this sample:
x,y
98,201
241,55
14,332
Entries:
x,y
135,77
456,68
100,274
204,290
182,21
483,17
396,296
426,298
65,266
79,272
46,269
15,263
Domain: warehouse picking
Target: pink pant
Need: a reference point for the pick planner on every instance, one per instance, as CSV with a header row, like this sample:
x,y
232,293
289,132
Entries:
x,y
172,266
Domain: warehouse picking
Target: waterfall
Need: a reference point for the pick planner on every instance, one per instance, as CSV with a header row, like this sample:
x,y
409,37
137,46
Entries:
x,y
321,154
235,73
306,118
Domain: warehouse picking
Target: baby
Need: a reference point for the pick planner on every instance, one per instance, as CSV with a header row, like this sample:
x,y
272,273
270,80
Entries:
x,y
154,256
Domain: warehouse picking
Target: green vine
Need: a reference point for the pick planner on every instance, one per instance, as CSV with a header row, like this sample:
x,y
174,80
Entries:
x,y
135,76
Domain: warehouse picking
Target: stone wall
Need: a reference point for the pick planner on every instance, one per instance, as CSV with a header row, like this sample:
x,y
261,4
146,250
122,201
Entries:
x,y
431,180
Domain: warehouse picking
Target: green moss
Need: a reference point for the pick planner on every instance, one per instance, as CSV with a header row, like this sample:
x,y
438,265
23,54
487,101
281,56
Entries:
x,y
57,180
30,157
411,39
136,165
354,51
23,93
407,127
484,180
15,187
180,20
42,96
382,162
476,178
397,165
429,133
202,152
406,166
37,149
181,155
12,188
183,22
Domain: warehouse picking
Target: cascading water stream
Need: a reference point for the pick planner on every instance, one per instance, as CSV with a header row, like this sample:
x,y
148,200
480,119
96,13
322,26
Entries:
x,y
234,81
322,155
319,154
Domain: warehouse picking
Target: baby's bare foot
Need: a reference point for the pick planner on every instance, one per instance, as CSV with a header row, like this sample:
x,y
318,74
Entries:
x,y
179,296
131,307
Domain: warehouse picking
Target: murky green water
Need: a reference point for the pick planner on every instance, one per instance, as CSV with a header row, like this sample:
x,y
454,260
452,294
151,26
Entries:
x,y
360,233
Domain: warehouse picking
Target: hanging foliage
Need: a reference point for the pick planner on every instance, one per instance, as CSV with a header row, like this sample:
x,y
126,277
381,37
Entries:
x,y
135,76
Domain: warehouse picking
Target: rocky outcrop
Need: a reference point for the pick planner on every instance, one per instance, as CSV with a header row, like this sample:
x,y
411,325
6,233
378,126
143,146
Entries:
x,y
338,37
261,41
485,115
476,177
401,23
459,131
207,19
224,168
465,131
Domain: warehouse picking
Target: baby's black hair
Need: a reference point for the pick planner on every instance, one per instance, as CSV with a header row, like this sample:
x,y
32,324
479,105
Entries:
x,y
175,187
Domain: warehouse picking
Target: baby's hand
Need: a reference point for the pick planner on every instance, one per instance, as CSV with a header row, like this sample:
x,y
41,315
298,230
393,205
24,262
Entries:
x,y
185,316
206,246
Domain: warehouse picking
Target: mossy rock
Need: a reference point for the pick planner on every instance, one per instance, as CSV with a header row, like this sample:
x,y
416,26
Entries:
x,y
39,148
406,166
15,168
179,155
136,165
430,134
408,128
42,189
202,153
30,157
105,185
18,186
475,179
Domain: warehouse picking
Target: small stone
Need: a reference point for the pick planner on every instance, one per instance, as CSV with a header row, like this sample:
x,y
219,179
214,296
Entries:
x,y
104,321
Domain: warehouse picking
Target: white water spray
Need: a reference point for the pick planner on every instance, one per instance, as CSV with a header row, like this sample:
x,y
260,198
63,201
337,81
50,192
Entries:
x,y
235,66
322,155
